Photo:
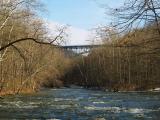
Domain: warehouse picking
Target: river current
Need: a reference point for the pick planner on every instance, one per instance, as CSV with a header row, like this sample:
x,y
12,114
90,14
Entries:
x,y
82,104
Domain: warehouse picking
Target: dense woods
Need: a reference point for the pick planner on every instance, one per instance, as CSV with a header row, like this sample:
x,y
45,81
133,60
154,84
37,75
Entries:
x,y
129,58
28,60
130,62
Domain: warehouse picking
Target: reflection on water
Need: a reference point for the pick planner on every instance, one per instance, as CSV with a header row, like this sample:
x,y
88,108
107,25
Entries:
x,y
82,104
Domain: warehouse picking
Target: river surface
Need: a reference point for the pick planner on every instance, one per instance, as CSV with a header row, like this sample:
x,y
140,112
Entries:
x,y
82,104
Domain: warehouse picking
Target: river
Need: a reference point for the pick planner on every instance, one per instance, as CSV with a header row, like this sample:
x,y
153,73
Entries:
x,y
82,104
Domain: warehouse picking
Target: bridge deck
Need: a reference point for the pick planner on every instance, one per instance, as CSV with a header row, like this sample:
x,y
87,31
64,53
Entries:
x,y
80,46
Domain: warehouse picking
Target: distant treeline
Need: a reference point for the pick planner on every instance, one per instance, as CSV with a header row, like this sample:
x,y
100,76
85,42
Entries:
x,y
127,62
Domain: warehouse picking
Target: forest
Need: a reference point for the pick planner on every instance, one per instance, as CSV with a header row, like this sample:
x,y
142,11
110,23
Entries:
x,y
128,63
128,60
28,59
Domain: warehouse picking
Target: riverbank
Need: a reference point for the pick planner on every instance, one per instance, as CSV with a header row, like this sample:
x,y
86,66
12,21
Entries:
x,y
122,88
157,89
11,92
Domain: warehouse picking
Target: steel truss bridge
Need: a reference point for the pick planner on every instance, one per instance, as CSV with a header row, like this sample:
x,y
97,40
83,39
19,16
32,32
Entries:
x,y
79,49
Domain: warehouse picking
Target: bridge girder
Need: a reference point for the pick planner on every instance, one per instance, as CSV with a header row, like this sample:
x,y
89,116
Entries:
x,y
79,49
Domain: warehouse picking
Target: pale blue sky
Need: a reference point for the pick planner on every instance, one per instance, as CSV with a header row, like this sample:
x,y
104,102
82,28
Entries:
x,y
79,13
82,15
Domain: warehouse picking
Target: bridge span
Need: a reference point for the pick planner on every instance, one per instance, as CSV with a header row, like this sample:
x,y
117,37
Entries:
x,y
72,47
82,49
79,49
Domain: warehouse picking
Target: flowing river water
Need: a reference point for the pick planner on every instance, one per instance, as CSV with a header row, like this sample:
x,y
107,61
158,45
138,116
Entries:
x,y
82,104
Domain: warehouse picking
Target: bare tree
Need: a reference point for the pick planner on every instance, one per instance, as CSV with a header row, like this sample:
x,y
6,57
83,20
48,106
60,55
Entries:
x,y
138,13
13,10
33,39
27,51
